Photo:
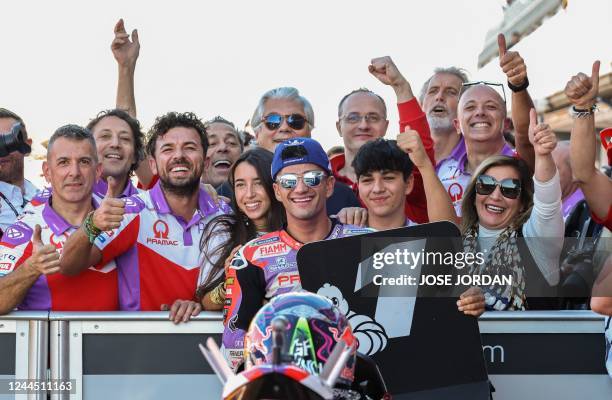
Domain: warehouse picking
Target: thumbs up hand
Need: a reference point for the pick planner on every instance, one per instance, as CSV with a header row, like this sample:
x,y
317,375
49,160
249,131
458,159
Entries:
x,y
110,213
581,90
541,136
44,258
511,63
410,142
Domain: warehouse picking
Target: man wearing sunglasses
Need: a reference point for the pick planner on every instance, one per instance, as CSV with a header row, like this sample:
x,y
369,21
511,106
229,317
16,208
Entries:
x,y
481,116
281,114
362,117
266,266
15,190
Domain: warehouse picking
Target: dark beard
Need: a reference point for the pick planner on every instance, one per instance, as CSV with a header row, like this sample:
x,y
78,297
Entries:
x,y
14,175
183,190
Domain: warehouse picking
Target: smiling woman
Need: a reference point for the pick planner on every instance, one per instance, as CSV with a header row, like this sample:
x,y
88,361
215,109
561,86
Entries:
x,y
504,204
256,211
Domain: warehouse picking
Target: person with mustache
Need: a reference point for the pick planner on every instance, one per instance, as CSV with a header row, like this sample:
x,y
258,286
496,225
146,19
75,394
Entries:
x,y
158,230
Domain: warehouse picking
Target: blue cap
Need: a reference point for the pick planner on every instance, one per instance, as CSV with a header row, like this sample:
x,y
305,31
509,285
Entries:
x,y
307,151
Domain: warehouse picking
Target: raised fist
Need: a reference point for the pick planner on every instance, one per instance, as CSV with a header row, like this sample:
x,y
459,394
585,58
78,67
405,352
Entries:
x,y
384,69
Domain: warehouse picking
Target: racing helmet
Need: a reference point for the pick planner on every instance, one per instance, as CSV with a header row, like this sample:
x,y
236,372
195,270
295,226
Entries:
x,y
312,326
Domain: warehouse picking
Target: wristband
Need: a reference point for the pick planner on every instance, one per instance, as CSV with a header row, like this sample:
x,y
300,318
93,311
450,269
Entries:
x,y
91,230
523,86
582,113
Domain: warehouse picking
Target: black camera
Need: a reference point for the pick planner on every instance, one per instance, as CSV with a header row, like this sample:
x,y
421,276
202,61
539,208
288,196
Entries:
x,y
14,141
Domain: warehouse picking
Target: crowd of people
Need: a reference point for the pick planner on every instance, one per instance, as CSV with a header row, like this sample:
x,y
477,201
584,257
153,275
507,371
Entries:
x,y
200,215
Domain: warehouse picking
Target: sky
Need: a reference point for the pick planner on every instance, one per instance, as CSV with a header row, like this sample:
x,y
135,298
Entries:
x,y
218,58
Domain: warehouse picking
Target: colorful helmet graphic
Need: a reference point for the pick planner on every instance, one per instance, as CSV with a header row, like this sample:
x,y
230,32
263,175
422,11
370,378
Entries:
x,y
312,327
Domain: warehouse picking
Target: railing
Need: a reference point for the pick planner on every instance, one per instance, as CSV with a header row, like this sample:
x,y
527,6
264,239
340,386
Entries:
x,y
142,355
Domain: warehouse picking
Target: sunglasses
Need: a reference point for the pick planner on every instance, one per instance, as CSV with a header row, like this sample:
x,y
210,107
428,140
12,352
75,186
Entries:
x,y
510,188
295,121
493,85
310,178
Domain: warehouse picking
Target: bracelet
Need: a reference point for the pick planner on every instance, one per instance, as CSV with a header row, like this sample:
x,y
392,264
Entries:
x,y
582,113
91,230
520,88
217,295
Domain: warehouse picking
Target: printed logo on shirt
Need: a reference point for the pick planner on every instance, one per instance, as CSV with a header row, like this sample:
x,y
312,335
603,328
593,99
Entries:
x,y
281,264
5,266
129,202
276,249
58,241
287,279
13,233
160,229
455,191
261,242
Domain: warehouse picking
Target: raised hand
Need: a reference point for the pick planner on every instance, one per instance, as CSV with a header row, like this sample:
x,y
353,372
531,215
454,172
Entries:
x,y
410,142
581,90
541,136
125,50
384,69
511,63
44,258
110,213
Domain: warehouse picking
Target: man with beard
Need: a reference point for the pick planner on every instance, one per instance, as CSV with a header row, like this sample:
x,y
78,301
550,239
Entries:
x,y
439,97
160,228
224,147
15,190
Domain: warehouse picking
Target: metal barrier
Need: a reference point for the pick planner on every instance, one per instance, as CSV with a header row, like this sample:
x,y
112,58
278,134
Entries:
x,y
530,355
546,355
134,355
23,352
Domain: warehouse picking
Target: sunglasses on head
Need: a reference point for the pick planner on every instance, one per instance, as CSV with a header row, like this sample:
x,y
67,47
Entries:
x,y
295,121
310,178
498,87
510,188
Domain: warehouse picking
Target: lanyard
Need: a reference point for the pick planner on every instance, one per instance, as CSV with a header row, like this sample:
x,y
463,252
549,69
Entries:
x,y
10,204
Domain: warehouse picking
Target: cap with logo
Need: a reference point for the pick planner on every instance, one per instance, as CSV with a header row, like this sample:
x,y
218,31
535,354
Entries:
x,y
299,151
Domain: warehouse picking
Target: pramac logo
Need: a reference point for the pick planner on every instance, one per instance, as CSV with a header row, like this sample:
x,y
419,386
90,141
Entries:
x,y
161,231
58,241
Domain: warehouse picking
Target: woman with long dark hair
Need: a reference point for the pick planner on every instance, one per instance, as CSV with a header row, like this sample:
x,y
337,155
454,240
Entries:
x,y
256,211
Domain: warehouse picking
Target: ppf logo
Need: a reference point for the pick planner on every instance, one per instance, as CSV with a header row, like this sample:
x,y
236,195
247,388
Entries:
x,y
13,233
161,231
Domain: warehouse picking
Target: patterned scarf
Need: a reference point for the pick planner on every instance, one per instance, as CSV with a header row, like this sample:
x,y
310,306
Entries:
x,y
502,259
